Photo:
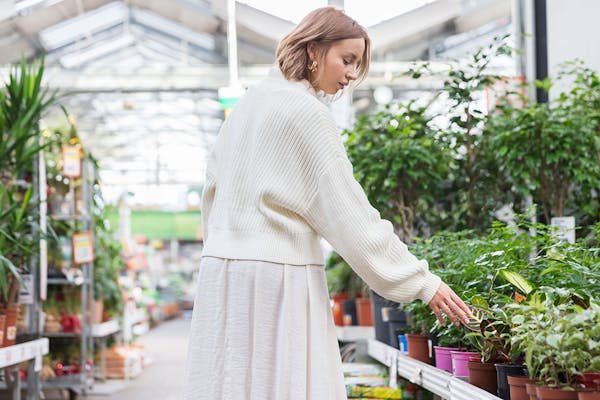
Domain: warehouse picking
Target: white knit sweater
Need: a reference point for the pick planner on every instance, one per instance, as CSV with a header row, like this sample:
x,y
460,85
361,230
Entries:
x,y
279,177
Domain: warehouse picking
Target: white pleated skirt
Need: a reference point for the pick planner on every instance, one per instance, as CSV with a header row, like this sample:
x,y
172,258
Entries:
x,y
262,331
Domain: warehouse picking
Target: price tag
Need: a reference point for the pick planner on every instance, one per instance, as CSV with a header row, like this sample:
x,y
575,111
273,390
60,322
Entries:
x,y
394,372
83,247
71,156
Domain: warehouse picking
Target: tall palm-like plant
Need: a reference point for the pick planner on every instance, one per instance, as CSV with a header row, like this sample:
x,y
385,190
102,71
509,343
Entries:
x,y
22,103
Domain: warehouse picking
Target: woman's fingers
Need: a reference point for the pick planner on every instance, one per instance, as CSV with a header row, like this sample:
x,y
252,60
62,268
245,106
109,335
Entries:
x,y
438,314
446,301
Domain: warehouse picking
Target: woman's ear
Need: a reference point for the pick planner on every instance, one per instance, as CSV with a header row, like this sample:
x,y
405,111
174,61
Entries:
x,y
311,48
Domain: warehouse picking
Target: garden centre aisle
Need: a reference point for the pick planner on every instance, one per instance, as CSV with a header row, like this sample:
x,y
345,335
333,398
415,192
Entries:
x,y
163,378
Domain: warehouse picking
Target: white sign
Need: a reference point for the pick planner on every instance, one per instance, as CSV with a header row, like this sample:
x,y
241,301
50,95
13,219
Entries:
x,y
566,228
26,292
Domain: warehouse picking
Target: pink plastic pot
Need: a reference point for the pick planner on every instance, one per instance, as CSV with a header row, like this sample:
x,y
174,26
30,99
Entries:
x,y
460,360
443,359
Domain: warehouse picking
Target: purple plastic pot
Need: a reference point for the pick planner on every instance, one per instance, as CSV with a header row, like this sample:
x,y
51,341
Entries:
x,y
460,360
443,359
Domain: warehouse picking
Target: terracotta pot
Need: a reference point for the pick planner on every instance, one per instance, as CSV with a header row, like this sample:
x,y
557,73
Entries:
x,y
517,387
97,310
340,297
547,393
588,379
2,324
483,375
530,389
443,359
338,313
418,347
591,395
460,360
364,310
10,325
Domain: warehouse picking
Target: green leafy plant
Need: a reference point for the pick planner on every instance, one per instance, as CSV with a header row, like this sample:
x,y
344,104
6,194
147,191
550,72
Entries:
x,y
400,163
420,317
342,278
462,89
551,150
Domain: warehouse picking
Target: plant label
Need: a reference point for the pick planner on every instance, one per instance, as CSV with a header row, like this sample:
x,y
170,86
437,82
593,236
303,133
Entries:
x,y
71,157
83,247
566,228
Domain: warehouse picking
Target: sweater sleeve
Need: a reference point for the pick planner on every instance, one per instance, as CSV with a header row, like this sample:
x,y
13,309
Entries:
x,y
341,213
208,193
208,197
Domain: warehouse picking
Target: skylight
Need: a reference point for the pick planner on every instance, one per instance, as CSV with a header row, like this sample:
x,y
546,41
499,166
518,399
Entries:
x,y
367,13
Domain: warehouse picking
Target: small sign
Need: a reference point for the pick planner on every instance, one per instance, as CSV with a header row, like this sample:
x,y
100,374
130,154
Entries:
x,y
26,292
83,247
566,228
71,156
38,363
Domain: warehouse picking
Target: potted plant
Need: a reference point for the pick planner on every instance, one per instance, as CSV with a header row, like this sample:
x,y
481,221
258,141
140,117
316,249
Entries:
x,y
17,244
449,338
420,321
344,285
560,341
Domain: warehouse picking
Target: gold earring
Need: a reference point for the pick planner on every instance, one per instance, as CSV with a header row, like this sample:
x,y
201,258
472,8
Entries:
x,y
313,66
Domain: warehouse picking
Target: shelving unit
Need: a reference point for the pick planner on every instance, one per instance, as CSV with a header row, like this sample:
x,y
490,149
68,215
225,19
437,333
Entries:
x,y
437,381
31,351
78,383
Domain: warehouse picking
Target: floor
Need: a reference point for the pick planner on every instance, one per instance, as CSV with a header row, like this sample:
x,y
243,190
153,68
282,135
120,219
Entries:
x,y
162,379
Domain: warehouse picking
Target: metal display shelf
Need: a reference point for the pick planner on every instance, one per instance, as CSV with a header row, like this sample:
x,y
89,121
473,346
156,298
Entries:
x,y
437,381
75,382
353,333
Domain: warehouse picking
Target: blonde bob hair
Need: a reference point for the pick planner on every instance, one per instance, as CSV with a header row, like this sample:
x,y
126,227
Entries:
x,y
322,26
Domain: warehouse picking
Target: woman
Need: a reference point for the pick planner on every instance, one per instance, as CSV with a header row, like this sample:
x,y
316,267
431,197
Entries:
x,y
277,180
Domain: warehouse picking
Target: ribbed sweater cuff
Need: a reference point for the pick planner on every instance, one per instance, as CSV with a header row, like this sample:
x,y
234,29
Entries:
x,y
431,283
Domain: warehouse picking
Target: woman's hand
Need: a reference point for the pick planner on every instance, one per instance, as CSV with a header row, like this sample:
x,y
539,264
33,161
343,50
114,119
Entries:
x,y
447,302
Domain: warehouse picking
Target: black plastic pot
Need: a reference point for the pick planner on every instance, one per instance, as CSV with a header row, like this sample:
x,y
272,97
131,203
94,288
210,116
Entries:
x,y
505,370
382,330
396,325
350,309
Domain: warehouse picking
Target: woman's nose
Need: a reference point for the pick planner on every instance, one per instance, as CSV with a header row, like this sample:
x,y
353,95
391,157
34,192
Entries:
x,y
351,74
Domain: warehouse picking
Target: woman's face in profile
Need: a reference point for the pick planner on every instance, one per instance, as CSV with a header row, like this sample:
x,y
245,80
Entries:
x,y
340,65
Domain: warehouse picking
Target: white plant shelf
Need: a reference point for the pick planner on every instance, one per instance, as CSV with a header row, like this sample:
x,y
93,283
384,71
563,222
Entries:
x,y
354,333
437,381
18,353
